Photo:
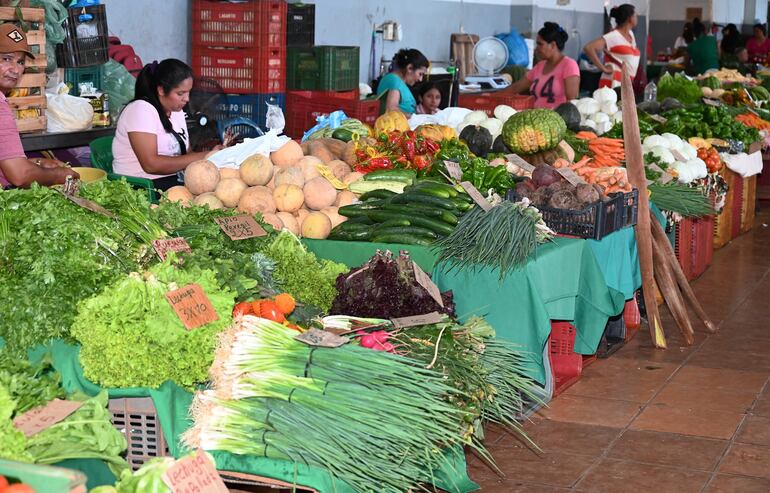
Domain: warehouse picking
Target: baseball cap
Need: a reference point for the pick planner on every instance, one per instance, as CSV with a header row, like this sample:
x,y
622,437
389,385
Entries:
x,y
13,39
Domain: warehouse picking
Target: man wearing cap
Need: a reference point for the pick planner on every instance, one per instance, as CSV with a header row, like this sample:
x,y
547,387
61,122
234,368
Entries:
x,y
15,168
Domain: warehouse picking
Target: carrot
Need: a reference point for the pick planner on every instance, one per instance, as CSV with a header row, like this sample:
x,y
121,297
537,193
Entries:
x,y
583,135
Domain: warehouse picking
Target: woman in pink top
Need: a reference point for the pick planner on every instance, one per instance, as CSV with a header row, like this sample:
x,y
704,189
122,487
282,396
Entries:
x,y
556,78
758,46
151,139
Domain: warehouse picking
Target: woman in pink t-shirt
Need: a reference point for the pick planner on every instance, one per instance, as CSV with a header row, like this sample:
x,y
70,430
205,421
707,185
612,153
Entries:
x,y
556,78
151,138
758,45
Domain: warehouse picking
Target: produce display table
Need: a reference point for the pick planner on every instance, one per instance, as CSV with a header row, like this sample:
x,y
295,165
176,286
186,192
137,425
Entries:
x,y
43,141
172,404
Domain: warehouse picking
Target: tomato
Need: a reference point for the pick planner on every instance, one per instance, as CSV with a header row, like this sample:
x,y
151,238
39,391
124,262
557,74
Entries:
x,y
242,308
19,488
270,310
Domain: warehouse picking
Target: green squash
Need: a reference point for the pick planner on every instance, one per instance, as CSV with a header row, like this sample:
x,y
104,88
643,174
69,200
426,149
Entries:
x,y
532,131
570,114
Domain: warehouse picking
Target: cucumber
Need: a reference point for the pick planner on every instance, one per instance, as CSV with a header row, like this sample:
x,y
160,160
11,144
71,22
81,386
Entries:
x,y
362,235
462,205
342,134
392,223
414,197
404,239
432,224
402,175
438,189
360,209
353,226
363,186
411,210
380,193
406,230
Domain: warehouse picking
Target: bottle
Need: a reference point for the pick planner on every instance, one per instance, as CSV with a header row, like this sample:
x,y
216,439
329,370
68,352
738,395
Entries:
x,y
650,91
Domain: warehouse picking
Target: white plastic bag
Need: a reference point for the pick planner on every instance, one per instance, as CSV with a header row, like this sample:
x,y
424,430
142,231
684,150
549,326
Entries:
x,y
68,113
232,157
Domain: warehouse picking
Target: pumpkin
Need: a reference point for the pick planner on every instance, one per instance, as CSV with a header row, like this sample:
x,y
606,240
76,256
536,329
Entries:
x,y
316,225
287,155
319,193
390,121
229,191
531,131
179,193
478,139
436,132
257,170
570,114
201,177
288,197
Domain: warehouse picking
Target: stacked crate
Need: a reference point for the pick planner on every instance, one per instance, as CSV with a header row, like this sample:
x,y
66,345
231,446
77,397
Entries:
x,y
242,46
27,99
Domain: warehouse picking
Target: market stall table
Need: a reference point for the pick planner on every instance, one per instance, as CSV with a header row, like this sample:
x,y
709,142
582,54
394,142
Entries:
x,y
43,141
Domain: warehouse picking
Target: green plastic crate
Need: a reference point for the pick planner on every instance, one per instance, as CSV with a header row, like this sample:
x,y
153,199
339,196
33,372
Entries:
x,y
337,67
301,69
75,76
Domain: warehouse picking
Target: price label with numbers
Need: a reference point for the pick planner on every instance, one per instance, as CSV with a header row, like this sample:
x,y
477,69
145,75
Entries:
x,y
571,176
38,419
427,283
520,162
240,227
454,170
162,247
194,474
658,118
321,338
192,306
476,195
417,320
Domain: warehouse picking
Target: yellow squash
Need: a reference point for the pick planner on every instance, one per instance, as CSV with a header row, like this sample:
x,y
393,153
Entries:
x,y
390,121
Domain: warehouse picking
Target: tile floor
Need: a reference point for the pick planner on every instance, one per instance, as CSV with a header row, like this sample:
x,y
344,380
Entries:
x,y
687,419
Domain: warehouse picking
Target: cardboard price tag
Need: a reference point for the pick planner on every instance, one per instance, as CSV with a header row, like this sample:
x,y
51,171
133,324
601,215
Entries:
x,y
571,176
89,205
520,162
476,195
454,170
162,247
659,119
194,474
240,227
712,102
321,338
192,306
38,419
417,320
568,150
678,156
665,178
425,281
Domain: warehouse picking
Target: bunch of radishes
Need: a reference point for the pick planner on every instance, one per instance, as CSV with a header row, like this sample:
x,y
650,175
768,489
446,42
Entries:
x,y
377,340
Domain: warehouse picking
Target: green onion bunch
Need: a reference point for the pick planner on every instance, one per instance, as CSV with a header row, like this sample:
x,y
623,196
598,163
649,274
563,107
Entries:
x,y
684,200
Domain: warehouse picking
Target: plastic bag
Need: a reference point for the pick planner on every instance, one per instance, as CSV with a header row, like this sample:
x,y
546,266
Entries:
x,y
518,52
275,119
326,122
119,84
68,113
232,157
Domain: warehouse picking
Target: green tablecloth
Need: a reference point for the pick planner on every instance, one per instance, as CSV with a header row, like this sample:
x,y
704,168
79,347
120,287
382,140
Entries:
x,y
563,281
172,403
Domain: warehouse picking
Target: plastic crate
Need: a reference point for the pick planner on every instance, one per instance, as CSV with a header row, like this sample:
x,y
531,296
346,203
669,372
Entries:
x,y
138,420
241,70
566,365
304,107
737,205
301,69
251,106
239,25
75,76
724,220
694,245
300,25
337,67
78,51
488,101
749,203
595,221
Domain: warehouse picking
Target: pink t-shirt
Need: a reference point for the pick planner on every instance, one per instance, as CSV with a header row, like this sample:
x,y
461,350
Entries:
x,y
548,89
10,142
141,116
756,49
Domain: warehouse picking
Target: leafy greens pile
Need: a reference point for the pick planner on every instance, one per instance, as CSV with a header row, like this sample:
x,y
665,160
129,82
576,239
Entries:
x,y
680,87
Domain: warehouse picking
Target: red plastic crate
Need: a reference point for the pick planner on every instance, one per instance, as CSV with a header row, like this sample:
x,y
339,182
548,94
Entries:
x,y
488,101
695,245
566,365
735,225
243,71
239,25
303,107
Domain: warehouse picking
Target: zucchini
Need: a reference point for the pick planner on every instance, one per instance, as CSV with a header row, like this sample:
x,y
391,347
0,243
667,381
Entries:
x,y
380,193
404,239
406,231
406,176
414,197
363,186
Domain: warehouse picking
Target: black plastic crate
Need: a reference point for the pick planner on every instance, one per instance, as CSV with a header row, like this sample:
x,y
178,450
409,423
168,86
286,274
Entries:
x,y
595,221
300,25
84,51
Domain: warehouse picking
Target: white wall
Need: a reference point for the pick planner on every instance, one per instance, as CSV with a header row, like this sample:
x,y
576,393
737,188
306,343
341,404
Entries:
x,y
674,10
728,11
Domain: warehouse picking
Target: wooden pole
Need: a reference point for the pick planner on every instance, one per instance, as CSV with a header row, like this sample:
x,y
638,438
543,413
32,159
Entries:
x,y
636,175
670,289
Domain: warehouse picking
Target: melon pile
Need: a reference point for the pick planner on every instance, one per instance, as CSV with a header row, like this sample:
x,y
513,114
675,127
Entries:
x,y
286,188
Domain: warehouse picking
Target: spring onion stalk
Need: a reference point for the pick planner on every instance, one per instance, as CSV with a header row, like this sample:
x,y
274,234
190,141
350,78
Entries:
x,y
345,322
374,420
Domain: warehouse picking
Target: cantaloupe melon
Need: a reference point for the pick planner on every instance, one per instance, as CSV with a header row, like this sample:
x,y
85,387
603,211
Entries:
x,y
340,169
201,177
180,194
287,155
257,199
319,193
334,216
301,215
308,166
289,222
208,199
229,191
316,225
257,170
229,173
289,176
288,197
352,177
345,197
273,221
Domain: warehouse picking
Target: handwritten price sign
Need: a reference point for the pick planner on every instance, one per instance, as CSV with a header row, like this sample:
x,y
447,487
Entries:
x,y
192,306
194,474
38,419
240,227
162,247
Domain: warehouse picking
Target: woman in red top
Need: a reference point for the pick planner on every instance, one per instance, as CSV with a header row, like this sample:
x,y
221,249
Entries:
x,y
618,47
758,46
556,78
